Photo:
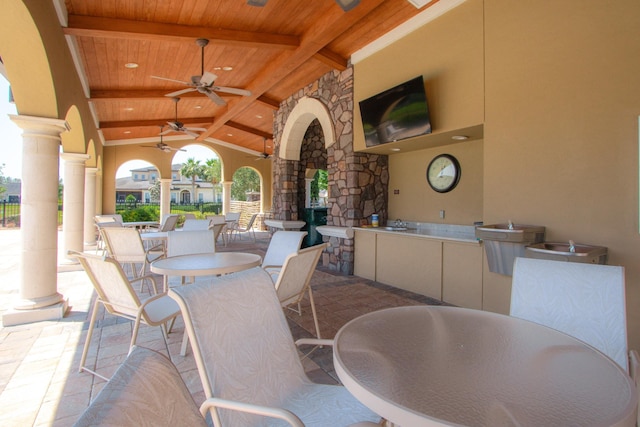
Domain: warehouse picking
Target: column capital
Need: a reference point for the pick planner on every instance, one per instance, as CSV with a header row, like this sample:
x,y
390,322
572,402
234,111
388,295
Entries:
x,y
165,180
91,171
45,126
74,157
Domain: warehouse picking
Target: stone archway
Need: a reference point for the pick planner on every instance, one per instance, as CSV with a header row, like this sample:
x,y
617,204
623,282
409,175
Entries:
x,y
306,111
357,181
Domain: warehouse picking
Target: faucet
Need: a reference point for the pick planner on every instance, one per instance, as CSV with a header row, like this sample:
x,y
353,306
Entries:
x,y
510,225
572,246
398,223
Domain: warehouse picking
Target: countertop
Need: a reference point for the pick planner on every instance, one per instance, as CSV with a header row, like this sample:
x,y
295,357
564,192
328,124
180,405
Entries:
x,y
453,232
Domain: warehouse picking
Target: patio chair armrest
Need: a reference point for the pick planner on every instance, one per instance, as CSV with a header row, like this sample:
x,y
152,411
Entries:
x,y
314,341
213,402
147,277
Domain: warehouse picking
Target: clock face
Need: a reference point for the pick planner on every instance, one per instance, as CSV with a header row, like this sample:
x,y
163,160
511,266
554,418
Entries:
x,y
443,173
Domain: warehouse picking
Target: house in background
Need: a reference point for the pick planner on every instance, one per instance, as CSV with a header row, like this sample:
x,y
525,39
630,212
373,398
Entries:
x,y
139,183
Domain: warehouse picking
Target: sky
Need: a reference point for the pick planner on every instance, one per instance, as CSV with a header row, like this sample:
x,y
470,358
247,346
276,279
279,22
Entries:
x,y
10,135
11,143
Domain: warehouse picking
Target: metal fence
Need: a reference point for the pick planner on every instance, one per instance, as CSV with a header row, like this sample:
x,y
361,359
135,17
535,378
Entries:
x,y
10,211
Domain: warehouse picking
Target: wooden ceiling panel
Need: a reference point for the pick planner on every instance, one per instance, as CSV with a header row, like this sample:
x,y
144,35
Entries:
x,y
273,51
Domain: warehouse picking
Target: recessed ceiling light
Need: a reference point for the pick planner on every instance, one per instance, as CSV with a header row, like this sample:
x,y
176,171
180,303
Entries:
x,y
229,134
128,109
197,107
395,149
460,137
131,65
127,132
258,116
227,68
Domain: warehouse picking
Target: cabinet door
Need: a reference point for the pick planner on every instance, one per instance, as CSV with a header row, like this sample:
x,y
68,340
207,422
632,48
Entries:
x,y
410,263
365,255
462,274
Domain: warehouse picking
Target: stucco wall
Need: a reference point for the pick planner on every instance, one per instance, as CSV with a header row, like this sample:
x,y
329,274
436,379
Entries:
x,y
560,98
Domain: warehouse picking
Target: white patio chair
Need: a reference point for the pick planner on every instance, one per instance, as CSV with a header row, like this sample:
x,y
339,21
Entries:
x,y
231,218
125,246
190,242
216,220
146,390
196,224
116,293
110,223
248,229
108,218
282,244
586,301
294,280
248,362
168,223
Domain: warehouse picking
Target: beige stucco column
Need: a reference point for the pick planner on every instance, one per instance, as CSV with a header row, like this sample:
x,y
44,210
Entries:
x,y
73,202
98,209
226,196
38,298
165,197
89,205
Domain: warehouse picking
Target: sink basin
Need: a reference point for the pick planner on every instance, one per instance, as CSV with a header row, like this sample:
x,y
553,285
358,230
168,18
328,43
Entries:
x,y
561,252
396,228
519,233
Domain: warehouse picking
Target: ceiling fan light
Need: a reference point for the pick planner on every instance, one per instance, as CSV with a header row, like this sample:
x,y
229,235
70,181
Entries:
x,y
347,5
259,3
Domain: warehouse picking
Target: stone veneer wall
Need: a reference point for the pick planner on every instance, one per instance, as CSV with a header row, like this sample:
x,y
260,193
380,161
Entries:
x,y
358,182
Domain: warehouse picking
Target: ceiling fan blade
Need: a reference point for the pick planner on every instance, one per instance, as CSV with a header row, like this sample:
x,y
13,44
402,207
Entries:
x,y
196,129
188,132
166,131
232,90
214,97
207,79
180,92
171,80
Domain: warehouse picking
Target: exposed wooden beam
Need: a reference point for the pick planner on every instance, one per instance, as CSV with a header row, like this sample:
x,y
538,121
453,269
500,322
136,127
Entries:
x,y
327,28
269,102
90,26
249,129
206,121
106,94
138,93
332,59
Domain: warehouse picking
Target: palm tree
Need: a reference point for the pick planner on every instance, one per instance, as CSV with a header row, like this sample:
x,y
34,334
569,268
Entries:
x,y
212,172
191,169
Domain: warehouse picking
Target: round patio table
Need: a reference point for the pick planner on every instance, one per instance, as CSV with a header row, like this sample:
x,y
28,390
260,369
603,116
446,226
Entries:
x,y
432,366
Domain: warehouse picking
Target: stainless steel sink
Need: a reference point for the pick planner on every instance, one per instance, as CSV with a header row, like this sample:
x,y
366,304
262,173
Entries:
x,y
396,228
516,233
563,252
504,242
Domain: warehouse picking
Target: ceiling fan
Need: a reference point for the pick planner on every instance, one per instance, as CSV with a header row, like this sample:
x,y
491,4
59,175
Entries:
x,y
204,82
264,155
346,5
177,126
162,146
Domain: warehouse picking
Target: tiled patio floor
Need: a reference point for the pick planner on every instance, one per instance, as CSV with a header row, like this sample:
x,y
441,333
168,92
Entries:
x,y
39,380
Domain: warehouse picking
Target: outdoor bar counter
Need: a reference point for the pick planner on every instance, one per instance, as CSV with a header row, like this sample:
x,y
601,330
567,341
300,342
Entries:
x,y
441,261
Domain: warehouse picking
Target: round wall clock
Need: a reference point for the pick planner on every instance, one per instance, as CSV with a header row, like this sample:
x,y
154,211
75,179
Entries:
x,y
443,173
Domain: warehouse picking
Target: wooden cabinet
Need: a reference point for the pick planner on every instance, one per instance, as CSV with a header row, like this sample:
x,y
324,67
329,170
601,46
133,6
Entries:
x,y
445,269
410,263
462,274
364,264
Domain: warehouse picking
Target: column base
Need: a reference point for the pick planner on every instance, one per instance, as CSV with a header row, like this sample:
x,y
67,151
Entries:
x,y
52,312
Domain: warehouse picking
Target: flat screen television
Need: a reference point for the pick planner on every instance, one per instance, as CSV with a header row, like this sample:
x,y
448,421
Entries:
x,y
397,113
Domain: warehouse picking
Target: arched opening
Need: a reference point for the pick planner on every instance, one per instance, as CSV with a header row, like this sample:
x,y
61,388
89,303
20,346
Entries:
x,y
134,182
246,193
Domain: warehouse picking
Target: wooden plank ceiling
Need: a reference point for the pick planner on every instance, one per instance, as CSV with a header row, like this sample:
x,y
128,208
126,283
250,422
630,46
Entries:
x,y
271,51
